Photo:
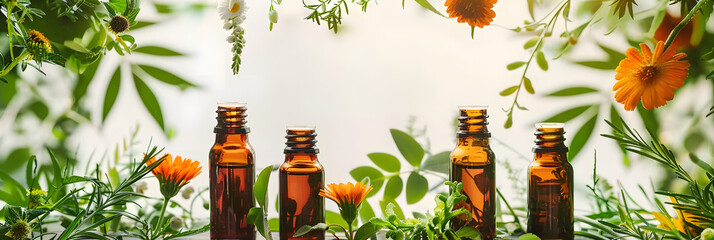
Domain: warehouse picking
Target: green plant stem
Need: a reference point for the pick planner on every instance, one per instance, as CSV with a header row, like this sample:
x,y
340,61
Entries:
x,y
14,62
683,23
159,224
9,26
350,234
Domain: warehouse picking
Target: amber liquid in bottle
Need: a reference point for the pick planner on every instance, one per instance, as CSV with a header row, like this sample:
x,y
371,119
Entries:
x,y
231,175
301,178
550,185
473,164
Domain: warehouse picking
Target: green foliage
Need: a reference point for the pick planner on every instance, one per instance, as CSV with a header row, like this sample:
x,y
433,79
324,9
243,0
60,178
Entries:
x,y
258,216
435,225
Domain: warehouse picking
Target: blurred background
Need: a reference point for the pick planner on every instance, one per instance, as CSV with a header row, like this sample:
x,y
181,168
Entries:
x,y
390,67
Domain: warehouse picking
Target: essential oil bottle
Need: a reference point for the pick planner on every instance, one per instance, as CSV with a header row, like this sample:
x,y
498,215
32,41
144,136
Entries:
x,y
473,164
301,179
550,185
231,175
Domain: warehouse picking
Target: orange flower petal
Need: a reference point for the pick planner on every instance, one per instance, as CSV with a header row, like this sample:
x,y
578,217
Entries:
x,y
477,13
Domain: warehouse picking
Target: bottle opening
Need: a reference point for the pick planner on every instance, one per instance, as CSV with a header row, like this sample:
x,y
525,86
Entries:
x,y
550,125
473,107
301,128
232,104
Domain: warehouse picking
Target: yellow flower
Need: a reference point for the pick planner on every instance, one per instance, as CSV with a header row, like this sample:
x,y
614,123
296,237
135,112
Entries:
x,y
477,13
35,198
174,173
38,45
677,223
649,76
348,198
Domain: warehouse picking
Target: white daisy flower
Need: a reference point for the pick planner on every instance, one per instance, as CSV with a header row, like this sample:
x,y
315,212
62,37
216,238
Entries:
x,y
232,9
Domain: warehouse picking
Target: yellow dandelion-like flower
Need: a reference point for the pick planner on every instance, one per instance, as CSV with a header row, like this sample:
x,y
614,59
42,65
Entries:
x,y
35,198
20,230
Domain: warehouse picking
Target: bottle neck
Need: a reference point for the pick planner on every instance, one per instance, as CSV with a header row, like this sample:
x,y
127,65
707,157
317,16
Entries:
x,y
550,143
231,120
301,141
554,157
472,141
299,157
234,139
473,123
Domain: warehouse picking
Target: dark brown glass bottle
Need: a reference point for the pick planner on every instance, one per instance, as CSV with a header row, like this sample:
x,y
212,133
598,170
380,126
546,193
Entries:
x,y
550,185
301,178
231,175
473,164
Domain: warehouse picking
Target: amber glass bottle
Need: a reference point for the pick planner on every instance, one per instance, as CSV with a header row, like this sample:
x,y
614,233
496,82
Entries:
x,y
301,178
550,185
231,175
473,164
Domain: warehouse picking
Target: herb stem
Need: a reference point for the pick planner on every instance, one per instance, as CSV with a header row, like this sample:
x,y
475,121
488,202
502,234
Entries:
x,y
14,62
159,224
683,23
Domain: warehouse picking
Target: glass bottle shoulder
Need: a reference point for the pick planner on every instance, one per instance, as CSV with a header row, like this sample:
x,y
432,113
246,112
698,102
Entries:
x,y
472,155
301,164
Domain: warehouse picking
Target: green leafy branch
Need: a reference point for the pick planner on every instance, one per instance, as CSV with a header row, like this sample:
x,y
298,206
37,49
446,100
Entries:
x,y
546,29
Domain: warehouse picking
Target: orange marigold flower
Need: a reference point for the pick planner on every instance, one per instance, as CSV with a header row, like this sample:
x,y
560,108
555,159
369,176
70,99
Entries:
x,y
478,13
174,173
348,198
346,193
649,76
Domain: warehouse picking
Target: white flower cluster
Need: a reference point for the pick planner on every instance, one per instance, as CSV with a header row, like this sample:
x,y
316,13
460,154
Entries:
x,y
232,13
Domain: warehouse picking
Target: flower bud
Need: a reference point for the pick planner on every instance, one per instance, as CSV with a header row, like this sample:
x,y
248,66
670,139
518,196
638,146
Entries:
x,y
186,193
119,24
19,230
707,234
176,223
273,16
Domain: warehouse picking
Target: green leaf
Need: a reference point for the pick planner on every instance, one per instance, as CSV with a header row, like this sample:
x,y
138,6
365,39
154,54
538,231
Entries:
x,y
508,91
702,164
428,6
515,65
167,77
568,115
112,92
408,146
710,76
542,62
393,188
572,91
649,119
417,186
375,176
509,122
366,212
396,210
468,232
158,51
528,85
149,100
274,224
334,218
12,191
306,229
438,162
581,137
602,65
260,189
16,159
530,43
528,236
192,232
256,217
385,161
366,231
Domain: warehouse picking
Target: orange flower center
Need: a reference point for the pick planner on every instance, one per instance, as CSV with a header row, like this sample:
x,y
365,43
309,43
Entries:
x,y
235,8
647,73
